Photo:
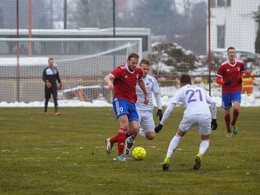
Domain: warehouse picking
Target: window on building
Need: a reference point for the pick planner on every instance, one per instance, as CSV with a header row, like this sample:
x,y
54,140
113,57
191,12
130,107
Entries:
x,y
212,3
221,3
228,2
221,36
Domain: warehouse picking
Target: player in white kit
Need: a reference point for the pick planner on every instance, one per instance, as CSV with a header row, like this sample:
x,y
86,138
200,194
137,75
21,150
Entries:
x,y
145,111
197,112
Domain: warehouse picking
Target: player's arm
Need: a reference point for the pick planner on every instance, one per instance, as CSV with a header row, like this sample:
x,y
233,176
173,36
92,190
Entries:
x,y
59,81
44,76
157,96
165,117
108,79
142,86
210,101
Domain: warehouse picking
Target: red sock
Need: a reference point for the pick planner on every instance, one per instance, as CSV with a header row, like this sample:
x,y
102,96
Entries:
x,y
121,141
235,116
113,139
227,120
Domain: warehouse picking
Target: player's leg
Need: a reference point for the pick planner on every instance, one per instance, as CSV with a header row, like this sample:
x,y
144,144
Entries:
x,y
47,97
121,111
227,104
172,146
204,128
134,127
54,95
147,125
236,105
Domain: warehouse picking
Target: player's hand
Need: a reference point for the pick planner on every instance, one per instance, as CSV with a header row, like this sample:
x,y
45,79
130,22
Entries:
x,y
158,128
110,86
160,114
214,124
239,81
228,83
146,99
60,86
48,84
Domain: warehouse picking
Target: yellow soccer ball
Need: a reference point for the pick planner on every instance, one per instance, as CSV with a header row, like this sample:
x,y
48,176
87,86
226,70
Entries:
x,y
139,153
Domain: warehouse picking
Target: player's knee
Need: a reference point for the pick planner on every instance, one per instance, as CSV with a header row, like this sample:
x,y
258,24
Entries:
x,y
150,135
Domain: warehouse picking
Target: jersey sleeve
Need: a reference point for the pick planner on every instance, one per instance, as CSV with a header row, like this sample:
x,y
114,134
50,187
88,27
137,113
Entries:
x,y
58,76
116,72
140,74
44,75
220,71
212,103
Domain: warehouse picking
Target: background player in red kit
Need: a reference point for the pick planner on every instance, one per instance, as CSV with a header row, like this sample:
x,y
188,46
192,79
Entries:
x,y
231,72
125,79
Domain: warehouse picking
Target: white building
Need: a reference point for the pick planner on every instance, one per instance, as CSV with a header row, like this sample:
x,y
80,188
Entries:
x,y
232,24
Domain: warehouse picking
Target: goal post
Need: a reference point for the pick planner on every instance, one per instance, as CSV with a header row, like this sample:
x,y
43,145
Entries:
x,y
82,64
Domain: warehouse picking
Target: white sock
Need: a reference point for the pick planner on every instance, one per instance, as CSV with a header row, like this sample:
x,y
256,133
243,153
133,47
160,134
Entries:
x,y
130,142
203,146
173,145
142,133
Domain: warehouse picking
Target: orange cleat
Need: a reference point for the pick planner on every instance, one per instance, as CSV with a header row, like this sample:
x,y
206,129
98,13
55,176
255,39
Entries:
x,y
57,113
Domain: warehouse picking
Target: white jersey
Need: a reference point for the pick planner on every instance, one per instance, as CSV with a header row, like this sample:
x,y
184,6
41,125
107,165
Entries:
x,y
195,99
151,87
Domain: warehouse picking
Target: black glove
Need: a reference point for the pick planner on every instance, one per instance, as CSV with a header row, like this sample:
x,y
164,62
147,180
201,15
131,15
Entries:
x,y
214,124
239,81
158,128
159,113
228,83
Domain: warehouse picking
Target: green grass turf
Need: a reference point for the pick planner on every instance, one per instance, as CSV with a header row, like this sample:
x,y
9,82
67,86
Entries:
x,y
66,155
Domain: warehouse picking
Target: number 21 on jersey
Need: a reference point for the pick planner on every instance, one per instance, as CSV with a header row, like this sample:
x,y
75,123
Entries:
x,y
191,94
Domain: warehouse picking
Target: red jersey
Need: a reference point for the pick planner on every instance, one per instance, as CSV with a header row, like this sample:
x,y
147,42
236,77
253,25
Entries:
x,y
231,72
125,82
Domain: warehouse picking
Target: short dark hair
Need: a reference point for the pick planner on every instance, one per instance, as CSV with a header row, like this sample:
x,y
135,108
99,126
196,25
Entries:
x,y
185,79
133,55
50,59
231,48
145,61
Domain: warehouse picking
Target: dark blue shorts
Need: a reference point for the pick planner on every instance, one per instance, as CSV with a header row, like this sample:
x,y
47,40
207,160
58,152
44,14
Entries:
x,y
229,98
123,107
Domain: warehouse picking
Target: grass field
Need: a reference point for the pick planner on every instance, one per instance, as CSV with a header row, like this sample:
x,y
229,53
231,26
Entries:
x,y
66,155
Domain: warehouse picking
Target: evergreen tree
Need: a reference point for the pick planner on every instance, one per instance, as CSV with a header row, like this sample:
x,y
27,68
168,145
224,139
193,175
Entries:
x,y
257,41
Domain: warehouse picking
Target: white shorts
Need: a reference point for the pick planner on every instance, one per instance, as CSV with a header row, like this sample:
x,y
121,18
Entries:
x,y
202,121
146,120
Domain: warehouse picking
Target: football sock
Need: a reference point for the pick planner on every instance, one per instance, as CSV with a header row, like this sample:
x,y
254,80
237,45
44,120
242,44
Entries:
x,y
114,139
142,133
235,116
173,145
227,120
203,146
130,142
121,141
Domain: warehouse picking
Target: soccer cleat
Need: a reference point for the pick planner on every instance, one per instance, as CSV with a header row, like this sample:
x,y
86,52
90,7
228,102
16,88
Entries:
x,y
229,134
234,129
197,162
166,163
57,114
45,113
109,146
121,158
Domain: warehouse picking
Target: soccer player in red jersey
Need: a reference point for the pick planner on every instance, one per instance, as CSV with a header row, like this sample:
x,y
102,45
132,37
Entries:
x,y
125,79
230,75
